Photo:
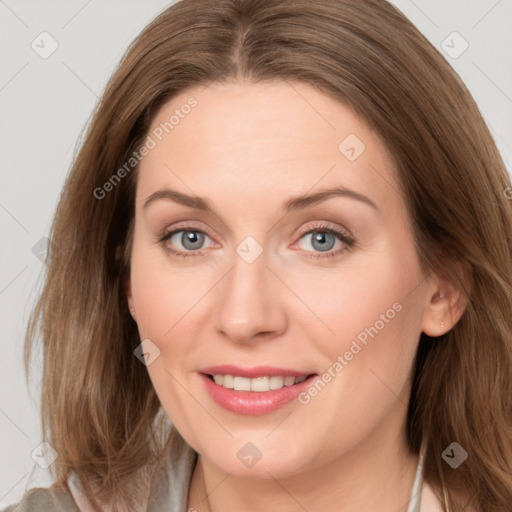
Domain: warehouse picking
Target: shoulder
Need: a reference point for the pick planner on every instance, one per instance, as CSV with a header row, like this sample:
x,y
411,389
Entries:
x,y
169,489
55,498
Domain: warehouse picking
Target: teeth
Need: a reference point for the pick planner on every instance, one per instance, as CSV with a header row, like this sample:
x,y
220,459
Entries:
x,y
228,382
289,381
276,382
241,384
259,384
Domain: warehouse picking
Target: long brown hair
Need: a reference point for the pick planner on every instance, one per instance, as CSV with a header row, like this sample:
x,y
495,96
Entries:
x,y
99,409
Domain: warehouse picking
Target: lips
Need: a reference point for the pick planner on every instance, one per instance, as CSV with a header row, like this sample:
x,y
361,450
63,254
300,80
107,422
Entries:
x,y
254,391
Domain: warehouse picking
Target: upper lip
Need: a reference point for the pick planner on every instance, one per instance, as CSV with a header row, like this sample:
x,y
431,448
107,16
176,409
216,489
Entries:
x,y
254,371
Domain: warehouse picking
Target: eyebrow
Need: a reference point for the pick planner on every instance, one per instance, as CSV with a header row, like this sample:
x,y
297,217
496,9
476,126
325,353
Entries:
x,y
294,203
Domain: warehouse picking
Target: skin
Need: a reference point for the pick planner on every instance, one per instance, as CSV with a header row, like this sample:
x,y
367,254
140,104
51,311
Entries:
x,y
247,148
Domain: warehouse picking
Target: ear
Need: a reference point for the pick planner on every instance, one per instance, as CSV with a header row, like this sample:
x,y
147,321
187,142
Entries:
x,y
129,298
126,284
446,304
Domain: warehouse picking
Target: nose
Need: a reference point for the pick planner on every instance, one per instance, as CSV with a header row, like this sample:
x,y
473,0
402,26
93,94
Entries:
x,y
250,305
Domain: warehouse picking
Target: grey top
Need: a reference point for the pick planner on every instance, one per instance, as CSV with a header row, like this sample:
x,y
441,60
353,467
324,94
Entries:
x,y
169,490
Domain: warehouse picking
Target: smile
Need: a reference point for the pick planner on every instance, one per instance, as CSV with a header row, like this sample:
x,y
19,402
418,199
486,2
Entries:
x,y
258,384
254,391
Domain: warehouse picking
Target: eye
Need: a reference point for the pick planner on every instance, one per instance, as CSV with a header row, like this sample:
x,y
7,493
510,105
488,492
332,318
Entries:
x,y
321,239
190,239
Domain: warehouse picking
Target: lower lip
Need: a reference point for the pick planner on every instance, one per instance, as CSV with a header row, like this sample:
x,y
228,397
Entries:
x,y
254,403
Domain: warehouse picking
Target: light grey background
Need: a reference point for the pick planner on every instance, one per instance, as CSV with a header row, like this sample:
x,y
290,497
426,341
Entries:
x,y
45,104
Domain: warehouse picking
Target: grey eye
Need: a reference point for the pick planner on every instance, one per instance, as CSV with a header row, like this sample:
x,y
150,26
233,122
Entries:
x,y
190,240
321,240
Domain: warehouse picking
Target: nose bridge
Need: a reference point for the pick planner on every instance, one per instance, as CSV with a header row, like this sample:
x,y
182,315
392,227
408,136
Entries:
x,y
248,302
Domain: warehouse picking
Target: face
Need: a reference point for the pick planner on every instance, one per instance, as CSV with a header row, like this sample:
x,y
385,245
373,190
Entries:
x,y
262,277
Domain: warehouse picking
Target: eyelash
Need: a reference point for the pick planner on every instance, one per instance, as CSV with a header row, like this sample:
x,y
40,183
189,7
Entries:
x,y
349,242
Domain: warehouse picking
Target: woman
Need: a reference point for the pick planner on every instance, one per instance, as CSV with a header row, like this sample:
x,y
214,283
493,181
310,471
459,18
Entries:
x,y
337,335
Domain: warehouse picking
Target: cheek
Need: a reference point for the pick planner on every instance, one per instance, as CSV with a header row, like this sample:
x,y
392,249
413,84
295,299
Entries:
x,y
370,322
361,300
164,296
164,299
374,313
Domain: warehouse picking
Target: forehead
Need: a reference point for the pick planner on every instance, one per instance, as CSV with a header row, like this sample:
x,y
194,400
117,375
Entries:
x,y
264,140
252,114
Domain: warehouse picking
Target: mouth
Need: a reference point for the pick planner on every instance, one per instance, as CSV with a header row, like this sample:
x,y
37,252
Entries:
x,y
261,384
254,391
